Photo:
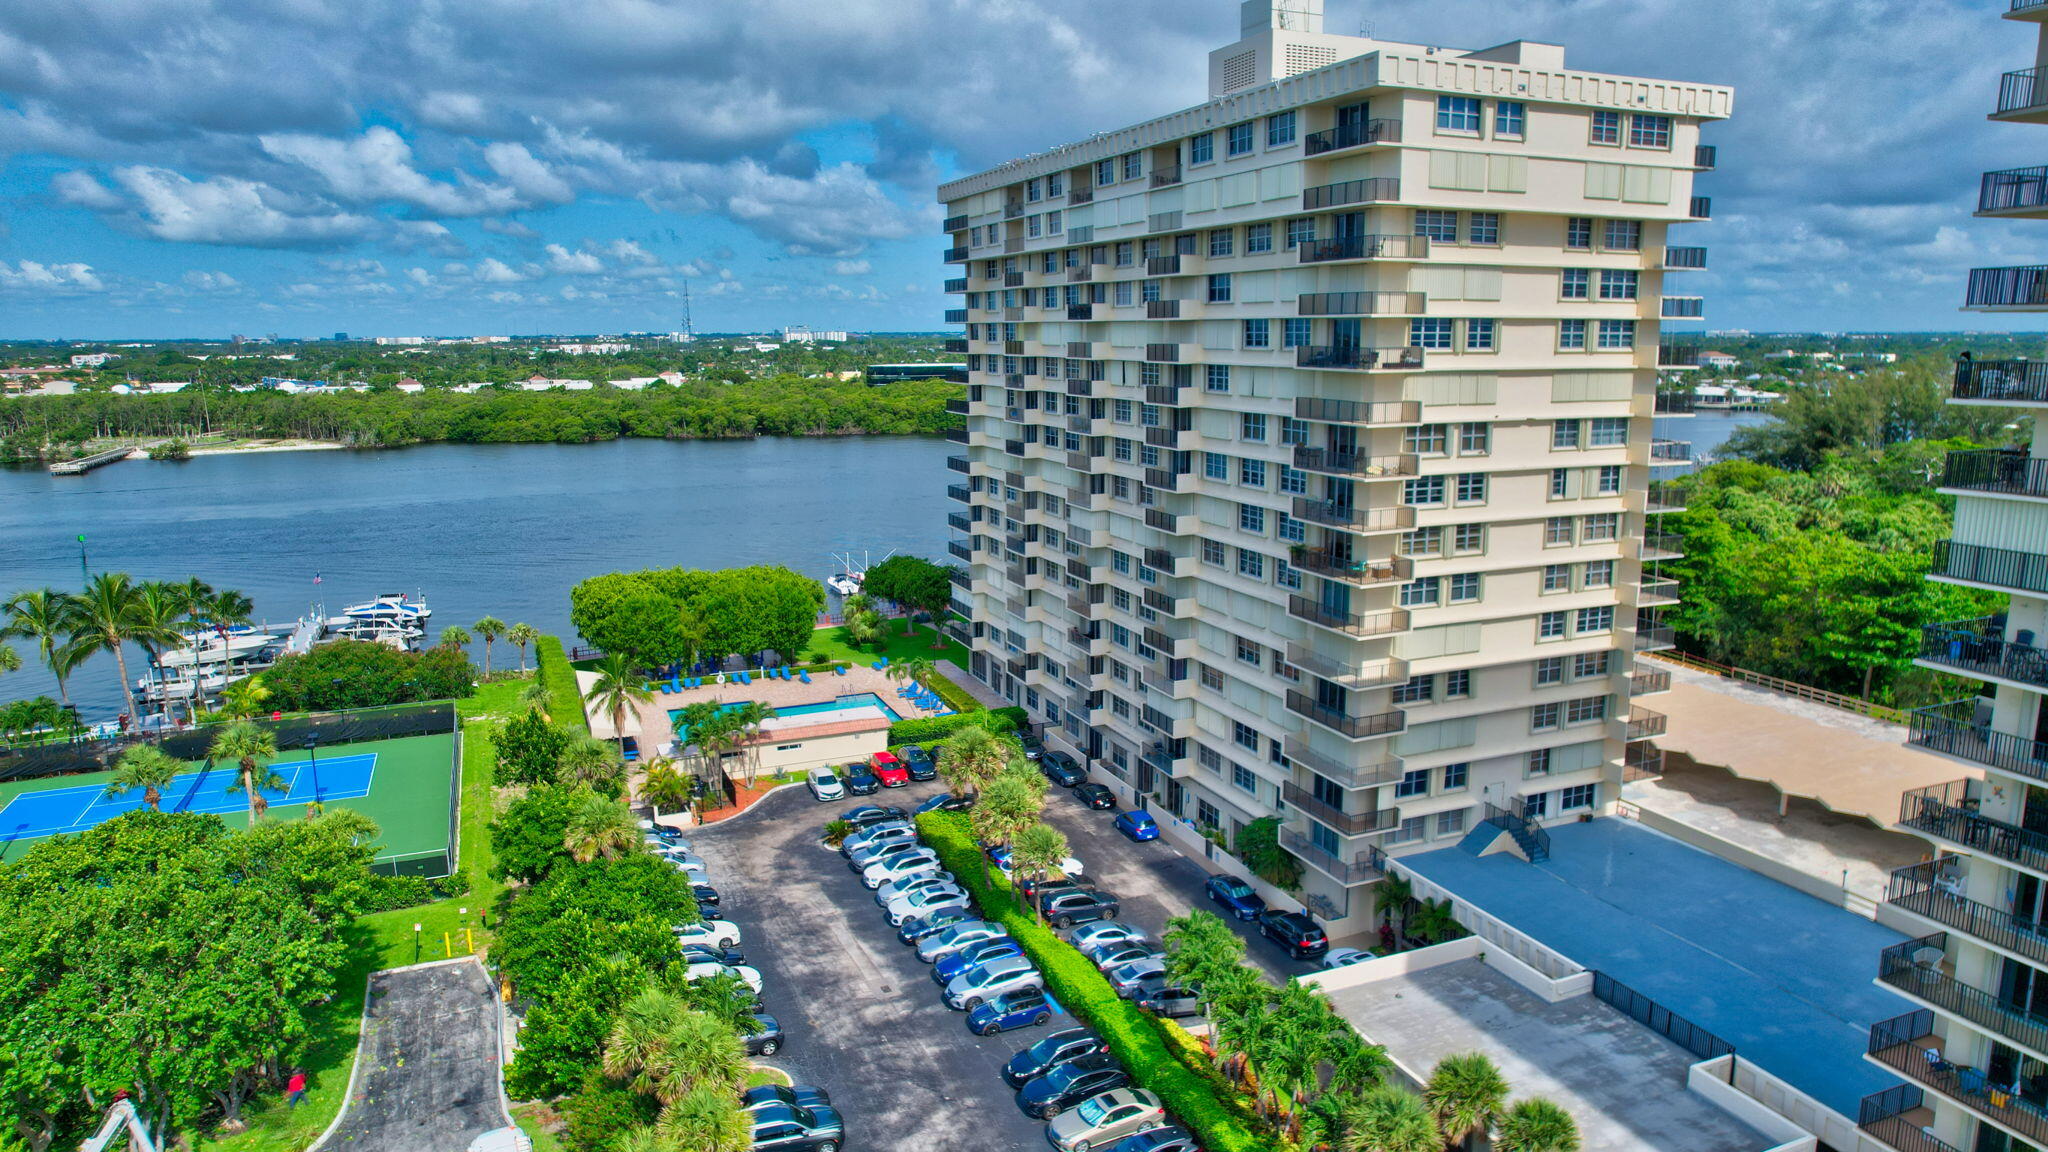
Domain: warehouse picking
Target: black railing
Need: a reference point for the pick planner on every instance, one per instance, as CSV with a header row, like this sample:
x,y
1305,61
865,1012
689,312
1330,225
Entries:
x,y
960,492
2020,90
1359,303
1902,966
957,435
956,255
1659,1019
2026,5
1954,729
1999,567
1357,411
1979,647
1163,353
2022,286
2004,381
1351,569
1692,257
1352,518
1364,248
954,224
1883,1115
1932,890
1162,309
957,284
956,315
1386,131
2002,470
1353,623
1683,308
1353,463
1370,191
1703,156
957,463
1903,1043
1338,720
1359,869
1678,355
1166,176
1349,823
1949,812
1080,311
1676,403
1351,356
2014,188
1534,841
1702,208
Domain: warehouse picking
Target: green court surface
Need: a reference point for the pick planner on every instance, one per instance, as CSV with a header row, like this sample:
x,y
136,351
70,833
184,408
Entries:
x,y
410,794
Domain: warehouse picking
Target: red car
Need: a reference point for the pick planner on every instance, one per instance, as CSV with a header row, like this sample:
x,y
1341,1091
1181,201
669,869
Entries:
x,y
893,773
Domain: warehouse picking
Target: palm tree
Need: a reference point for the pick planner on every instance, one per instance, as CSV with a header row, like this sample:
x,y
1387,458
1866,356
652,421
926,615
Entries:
x,y
639,1038
617,687
1228,992
1292,1060
707,1119
224,609
108,620
520,636
600,828
10,660
593,764
1536,1125
970,759
1198,945
746,720
1394,894
48,618
455,636
664,787
1466,1094
702,1052
648,1139
490,628
1384,1118
1433,922
915,669
244,698
1356,1065
251,748
1036,853
147,767
160,614
535,697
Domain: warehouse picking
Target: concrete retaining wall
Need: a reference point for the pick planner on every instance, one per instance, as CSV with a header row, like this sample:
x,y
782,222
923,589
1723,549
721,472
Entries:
x,y
1550,963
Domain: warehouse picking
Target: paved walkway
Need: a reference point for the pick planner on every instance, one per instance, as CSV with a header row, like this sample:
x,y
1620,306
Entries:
x,y
427,1069
650,723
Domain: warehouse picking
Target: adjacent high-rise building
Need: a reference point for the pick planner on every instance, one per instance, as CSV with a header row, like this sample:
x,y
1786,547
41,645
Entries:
x,y
1975,1058
1307,470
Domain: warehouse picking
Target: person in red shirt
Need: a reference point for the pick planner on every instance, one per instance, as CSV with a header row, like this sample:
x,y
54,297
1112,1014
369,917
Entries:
x,y
295,1089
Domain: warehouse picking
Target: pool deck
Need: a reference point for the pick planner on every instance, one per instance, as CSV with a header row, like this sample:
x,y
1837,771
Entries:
x,y
1784,977
651,726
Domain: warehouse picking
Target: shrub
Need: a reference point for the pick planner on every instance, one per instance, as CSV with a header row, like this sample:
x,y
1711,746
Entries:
x,y
529,751
925,729
957,698
565,703
366,674
1137,1039
597,1114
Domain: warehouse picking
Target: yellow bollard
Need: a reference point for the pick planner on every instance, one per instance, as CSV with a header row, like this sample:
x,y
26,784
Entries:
x,y
469,937
447,944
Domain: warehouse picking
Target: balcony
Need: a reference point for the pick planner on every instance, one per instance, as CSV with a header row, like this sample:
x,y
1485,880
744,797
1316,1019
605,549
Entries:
x,y
2013,192
1079,195
1168,523
1656,592
957,407
961,521
1344,723
2003,472
1683,308
1164,478
1080,274
1357,412
1361,303
1641,762
1164,437
1948,812
1164,395
1377,190
1354,465
961,578
2018,289
960,492
1163,353
1979,648
1678,355
1655,638
1908,1045
1351,675
1702,208
1664,496
956,256
1363,868
957,435
1169,265
1345,772
957,463
1685,259
956,345
957,284
1703,156
1957,729
1675,404
1663,546
2027,10
2022,96
1897,1117
1643,724
1349,623
1348,823
1166,176
954,224
2004,568
960,550
1355,571
1919,969
1350,518
1352,358
1162,309
1386,131
1670,452
1080,311
1649,682
1933,889
2001,381
1364,248
956,315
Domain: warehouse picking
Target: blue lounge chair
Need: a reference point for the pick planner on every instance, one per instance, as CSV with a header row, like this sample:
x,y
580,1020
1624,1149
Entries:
x,y
742,675
803,676
675,684
881,664
839,669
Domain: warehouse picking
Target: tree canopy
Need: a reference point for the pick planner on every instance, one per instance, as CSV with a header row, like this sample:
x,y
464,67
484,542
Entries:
x,y
653,616
366,674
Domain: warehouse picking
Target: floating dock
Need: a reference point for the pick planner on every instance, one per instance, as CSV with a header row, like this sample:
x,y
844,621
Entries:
x,y
84,464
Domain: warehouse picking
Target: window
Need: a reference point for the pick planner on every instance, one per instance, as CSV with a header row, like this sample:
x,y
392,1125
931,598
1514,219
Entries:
x,y
1426,439
1423,491
1646,131
1450,823
1510,118
1595,620
1578,232
1219,288
1134,165
1599,574
1252,473
1617,284
1575,284
1212,553
1587,664
1464,587
1251,564
1120,411
1122,451
1571,335
1544,717
1222,241
1217,378
1105,172
1617,333
1293,482
1414,782
1564,434
1423,541
1420,593
1293,431
1257,334
1480,335
1243,778
1052,225
1468,538
1483,228
1606,127
1457,114
1033,191
1126,255
1437,225
1292,529
1301,230
1251,426
1603,526
1472,488
1456,776
1557,530
1238,138
1124,294
1586,710
1577,796
1054,185
1418,690
1607,481
1032,225
1623,235
1609,432
1430,332
1280,129
1242,735
1202,148
1557,577
1538,765
1258,238
1149,291
1560,483
1550,626
1549,670
1215,466
1295,332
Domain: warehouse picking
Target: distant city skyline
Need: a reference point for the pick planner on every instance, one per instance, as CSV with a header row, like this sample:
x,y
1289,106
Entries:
x,y
499,168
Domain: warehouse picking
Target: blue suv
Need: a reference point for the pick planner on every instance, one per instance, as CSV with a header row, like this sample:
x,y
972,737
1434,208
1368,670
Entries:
x,y
1020,1009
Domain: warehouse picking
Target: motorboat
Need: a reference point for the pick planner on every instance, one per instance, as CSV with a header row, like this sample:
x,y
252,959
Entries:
x,y
845,583
392,607
396,634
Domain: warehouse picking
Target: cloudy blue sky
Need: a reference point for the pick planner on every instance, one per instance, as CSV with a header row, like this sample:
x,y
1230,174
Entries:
x,y
461,166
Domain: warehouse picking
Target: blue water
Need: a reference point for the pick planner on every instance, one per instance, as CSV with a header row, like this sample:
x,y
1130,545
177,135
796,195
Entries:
x,y
857,700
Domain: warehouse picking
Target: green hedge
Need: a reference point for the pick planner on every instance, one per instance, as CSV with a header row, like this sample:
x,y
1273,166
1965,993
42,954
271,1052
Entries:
x,y
928,728
1135,1037
957,698
565,703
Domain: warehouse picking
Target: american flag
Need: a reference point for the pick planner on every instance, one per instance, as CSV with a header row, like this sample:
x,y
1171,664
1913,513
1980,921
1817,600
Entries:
x,y
316,577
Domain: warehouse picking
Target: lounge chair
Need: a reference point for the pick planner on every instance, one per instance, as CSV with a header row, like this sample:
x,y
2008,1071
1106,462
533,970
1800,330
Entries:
x,y
881,664
743,678
839,669
803,676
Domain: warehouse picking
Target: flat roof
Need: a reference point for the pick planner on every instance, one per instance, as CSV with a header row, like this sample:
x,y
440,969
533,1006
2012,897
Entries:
x,y
1787,979
1624,1084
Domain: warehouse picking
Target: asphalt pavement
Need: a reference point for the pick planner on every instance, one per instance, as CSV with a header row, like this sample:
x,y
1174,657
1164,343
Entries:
x,y
428,1080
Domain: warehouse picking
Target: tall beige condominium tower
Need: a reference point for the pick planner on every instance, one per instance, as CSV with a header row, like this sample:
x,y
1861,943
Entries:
x,y
1308,450
1975,1057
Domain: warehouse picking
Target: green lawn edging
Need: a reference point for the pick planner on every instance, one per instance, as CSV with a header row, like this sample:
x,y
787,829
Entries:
x,y
1136,1038
920,729
565,703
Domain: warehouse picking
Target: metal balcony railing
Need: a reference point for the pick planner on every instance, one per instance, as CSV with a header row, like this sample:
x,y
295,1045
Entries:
x,y
1685,258
1908,1045
1344,723
2005,471
1385,131
1949,812
957,463
956,315
1703,156
1643,724
1649,682
1354,570
2002,381
1915,967
1656,590
2021,90
1655,638
1671,451
1162,353
1676,404
1348,674
1356,465
1683,308
1887,1116
1702,208
960,492
954,224
1162,309
1979,648
956,255
1678,355
1998,567
1352,518
1357,412
1933,889
1956,729
1341,771
1363,868
2023,286
1349,623
1376,190
957,284
1348,823
2015,189
1351,357
1166,176
1364,248
1360,303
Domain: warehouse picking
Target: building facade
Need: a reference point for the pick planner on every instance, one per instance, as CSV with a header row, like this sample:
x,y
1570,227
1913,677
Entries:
x,y
1308,451
1974,1058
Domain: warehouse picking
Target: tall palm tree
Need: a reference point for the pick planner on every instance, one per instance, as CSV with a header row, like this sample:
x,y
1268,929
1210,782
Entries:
x,y
224,610
47,618
707,1119
244,698
521,635
251,748
638,1043
197,594
664,787
617,687
914,669
1229,992
1293,1058
970,758
1037,853
1466,1093
1384,1118
746,721
1198,945
108,620
490,628
147,767
455,636
593,764
1393,894
600,828
1536,1125
1356,1065
10,660
648,1139
160,612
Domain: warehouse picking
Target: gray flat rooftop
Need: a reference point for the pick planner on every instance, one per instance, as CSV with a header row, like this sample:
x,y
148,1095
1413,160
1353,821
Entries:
x,y
1624,1084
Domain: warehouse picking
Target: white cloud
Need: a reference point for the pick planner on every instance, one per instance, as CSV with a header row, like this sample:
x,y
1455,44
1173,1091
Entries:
x,y
231,210
36,277
567,263
79,188
629,252
211,281
851,267
533,179
377,167
495,271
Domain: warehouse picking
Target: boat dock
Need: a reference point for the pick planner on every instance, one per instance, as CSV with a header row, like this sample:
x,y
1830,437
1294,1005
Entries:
x,y
84,464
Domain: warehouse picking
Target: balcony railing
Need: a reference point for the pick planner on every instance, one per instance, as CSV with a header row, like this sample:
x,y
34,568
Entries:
x,y
1671,451
1907,1043
1979,648
1356,465
956,255
1354,358
1165,478
2024,286
1162,353
1888,1116
956,315
1348,823
1350,675
1357,411
957,284
1954,729
2021,90
961,521
957,407
1360,303
1678,355
1345,771
2003,471
1999,567
1165,176
1685,258
957,435
1644,724
1387,131
1162,309
2014,189
1375,190
2002,381
1676,404
1684,308
1703,157
1364,248
1933,889
1352,518
961,549
1080,311
954,224
957,463
1702,208
1908,967
1649,682
1363,868
1353,570
960,492
1949,812
1350,623
1340,721
1663,546
1656,590
1664,496
1655,638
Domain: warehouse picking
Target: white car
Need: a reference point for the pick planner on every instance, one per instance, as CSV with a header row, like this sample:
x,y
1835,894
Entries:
x,y
1345,957
748,974
918,882
825,784
898,866
922,903
1103,932
990,979
861,848
696,869
1067,867
710,933
962,935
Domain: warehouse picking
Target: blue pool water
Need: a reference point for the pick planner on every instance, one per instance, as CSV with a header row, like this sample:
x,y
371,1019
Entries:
x,y
857,700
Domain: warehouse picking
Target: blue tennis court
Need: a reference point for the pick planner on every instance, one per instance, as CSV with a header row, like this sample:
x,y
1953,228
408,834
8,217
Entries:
x,y
53,811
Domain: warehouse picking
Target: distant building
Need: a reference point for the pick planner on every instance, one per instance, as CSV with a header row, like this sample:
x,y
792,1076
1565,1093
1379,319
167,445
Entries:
x,y
1717,360
93,359
411,385
591,349
407,341
338,336
806,336
892,373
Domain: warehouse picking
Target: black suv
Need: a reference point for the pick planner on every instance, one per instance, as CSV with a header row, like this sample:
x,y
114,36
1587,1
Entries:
x,y
1067,1084
868,815
1077,906
860,780
766,1036
1057,1048
919,761
1061,769
1301,936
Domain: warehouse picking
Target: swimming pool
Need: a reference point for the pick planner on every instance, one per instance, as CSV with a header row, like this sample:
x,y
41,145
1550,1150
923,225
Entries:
x,y
857,700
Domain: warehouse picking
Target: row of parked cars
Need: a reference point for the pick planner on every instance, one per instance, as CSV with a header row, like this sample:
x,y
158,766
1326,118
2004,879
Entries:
x,y
882,770
783,1118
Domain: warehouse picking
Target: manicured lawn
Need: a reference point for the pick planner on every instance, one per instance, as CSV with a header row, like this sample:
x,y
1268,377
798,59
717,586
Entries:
x,y
532,1119
831,644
